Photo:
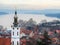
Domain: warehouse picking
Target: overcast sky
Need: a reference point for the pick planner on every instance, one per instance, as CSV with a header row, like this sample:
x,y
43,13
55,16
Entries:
x,y
55,4
27,4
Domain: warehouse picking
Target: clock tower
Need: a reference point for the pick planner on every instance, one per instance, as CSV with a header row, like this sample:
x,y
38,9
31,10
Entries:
x,y
15,32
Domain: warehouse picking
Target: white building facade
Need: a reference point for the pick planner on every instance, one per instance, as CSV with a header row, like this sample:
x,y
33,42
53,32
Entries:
x,y
15,31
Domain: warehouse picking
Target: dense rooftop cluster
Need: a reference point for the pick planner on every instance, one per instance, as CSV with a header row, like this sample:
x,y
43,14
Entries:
x,y
46,33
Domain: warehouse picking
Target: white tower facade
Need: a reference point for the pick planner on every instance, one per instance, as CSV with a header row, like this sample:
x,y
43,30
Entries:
x,y
15,32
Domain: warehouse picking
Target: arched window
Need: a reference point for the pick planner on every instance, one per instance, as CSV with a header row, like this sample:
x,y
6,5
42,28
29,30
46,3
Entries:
x,y
12,42
13,33
17,28
17,33
17,42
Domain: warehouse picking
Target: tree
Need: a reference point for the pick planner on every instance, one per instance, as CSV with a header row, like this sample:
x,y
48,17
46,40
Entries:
x,y
39,42
30,24
46,39
22,23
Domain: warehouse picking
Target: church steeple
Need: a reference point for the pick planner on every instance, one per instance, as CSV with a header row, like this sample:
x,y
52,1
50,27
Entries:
x,y
15,31
15,23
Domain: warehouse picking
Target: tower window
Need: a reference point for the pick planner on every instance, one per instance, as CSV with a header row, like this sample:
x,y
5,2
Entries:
x,y
17,33
13,43
17,28
13,28
17,42
13,33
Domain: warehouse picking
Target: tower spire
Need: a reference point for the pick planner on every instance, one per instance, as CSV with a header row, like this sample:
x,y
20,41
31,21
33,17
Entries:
x,y
15,23
15,12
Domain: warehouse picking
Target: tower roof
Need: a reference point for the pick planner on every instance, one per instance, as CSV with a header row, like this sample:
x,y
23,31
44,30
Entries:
x,y
15,23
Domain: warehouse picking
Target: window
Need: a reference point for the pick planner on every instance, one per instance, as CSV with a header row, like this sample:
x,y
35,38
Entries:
x,y
17,33
13,28
17,28
13,33
17,42
13,43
